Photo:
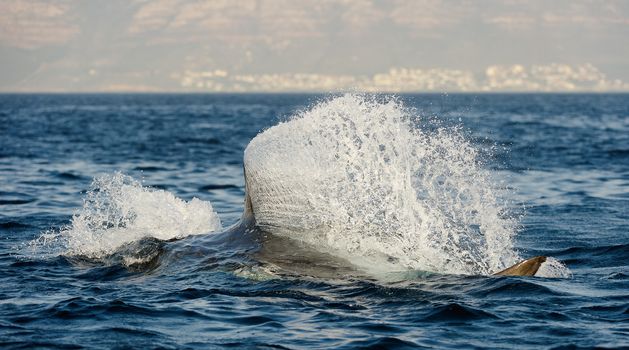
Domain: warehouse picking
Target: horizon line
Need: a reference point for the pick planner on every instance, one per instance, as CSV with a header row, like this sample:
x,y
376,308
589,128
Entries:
x,y
308,92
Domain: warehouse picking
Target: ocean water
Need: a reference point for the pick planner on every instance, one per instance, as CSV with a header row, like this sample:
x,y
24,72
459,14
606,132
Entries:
x,y
379,221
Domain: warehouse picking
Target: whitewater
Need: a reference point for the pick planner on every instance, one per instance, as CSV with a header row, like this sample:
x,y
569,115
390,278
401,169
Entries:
x,y
359,177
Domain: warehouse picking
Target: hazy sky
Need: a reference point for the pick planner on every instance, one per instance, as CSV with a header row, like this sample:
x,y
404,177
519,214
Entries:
x,y
324,45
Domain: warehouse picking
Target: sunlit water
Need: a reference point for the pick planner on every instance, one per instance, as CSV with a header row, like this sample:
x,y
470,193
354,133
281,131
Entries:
x,y
115,213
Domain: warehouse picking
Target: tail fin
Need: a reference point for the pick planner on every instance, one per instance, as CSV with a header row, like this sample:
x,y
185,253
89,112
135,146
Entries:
x,y
524,268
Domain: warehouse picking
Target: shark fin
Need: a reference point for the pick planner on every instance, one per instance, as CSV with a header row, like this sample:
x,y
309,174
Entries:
x,y
524,268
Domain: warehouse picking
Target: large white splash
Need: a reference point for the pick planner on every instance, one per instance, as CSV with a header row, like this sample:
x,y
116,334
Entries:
x,y
118,210
363,179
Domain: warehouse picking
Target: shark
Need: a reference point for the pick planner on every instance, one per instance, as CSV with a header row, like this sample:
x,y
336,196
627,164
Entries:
x,y
292,257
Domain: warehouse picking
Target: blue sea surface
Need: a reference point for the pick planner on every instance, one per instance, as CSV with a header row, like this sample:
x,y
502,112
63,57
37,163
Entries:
x,y
566,157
